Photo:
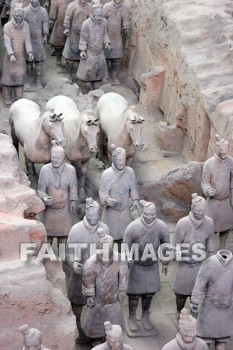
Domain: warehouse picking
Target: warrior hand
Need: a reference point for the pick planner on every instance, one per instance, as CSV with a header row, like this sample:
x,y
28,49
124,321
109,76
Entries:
x,y
121,296
165,269
126,31
137,206
83,55
77,267
211,192
67,31
45,39
30,57
111,201
107,46
46,4
73,207
12,58
194,308
47,201
90,301
51,23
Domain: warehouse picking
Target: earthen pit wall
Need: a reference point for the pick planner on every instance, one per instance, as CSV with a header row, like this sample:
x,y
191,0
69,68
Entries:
x,y
190,38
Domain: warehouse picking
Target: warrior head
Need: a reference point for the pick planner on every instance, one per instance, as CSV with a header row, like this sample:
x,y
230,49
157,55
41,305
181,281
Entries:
x,y
148,211
92,211
57,155
32,338
187,326
114,337
198,206
118,157
222,147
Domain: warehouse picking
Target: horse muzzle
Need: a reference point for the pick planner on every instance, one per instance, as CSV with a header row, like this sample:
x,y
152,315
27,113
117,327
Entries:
x,y
138,147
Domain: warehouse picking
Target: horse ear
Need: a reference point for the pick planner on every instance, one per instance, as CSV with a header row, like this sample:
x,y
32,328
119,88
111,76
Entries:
x,y
141,119
53,117
89,122
96,121
132,119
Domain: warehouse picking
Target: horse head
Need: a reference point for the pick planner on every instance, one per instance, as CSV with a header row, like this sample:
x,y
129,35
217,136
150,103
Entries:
x,y
134,127
54,126
90,129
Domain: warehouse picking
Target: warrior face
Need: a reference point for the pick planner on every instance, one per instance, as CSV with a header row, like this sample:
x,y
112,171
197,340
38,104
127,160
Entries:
x,y
114,343
82,2
188,335
117,1
18,16
222,151
57,156
33,347
35,3
149,214
92,215
198,210
97,13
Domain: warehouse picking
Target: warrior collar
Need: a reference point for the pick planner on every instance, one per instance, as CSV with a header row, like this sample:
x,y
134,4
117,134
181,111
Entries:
x,y
196,223
219,159
35,9
119,172
224,256
90,228
17,25
57,174
116,5
184,345
147,225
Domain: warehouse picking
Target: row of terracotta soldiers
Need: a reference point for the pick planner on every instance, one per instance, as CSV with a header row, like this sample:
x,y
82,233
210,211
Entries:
x,y
95,40
102,284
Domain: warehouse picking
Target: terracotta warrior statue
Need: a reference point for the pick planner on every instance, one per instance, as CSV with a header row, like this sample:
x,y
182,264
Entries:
x,y
17,43
76,13
118,185
93,39
105,280
217,185
32,338
144,278
194,228
213,291
81,233
186,338
37,19
114,338
117,15
57,187
56,20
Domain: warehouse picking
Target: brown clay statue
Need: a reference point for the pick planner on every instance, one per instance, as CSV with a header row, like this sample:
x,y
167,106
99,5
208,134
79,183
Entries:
x,y
76,13
186,338
84,232
118,185
37,19
114,338
213,291
17,41
93,39
217,185
192,229
57,187
144,278
117,15
56,20
122,128
105,280
32,338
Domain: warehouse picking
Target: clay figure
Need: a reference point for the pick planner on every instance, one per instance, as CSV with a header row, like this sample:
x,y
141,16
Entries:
x,y
117,15
93,38
217,185
17,3
144,278
57,187
37,19
118,185
114,338
17,41
186,337
56,20
32,338
213,291
105,280
81,131
82,232
123,127
76,13
194,228
35,130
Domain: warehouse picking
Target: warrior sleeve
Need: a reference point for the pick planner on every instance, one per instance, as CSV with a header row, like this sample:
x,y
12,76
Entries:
x,y
83,43
88,286
179,232
71,249
68,16
42,186
45,23
199,290
28,43
123,277
206,178
210,241
73,194
106,36
7,40
134,187
53,10
125,17
104,188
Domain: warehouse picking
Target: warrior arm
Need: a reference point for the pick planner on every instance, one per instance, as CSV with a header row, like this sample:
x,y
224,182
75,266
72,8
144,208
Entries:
x,y
123,277
106,36
104,189
210,241
199,291
42,185
53,10
125,17
73,194
231,188
83,43
28,44
134,187
45,23
68,16
71,256
206,180
7,41
88,279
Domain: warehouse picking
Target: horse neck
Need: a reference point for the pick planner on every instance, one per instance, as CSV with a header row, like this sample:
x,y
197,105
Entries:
x,y
42,139
124,137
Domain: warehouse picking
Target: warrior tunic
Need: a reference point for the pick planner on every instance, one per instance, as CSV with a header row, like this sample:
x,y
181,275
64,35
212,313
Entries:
x,y
179,344
120,185
118,17
190,231
214,289
57,13
217,173
81,232
17,41
62,187
104,280
37,19
92,39
144,274
76,14
105,346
